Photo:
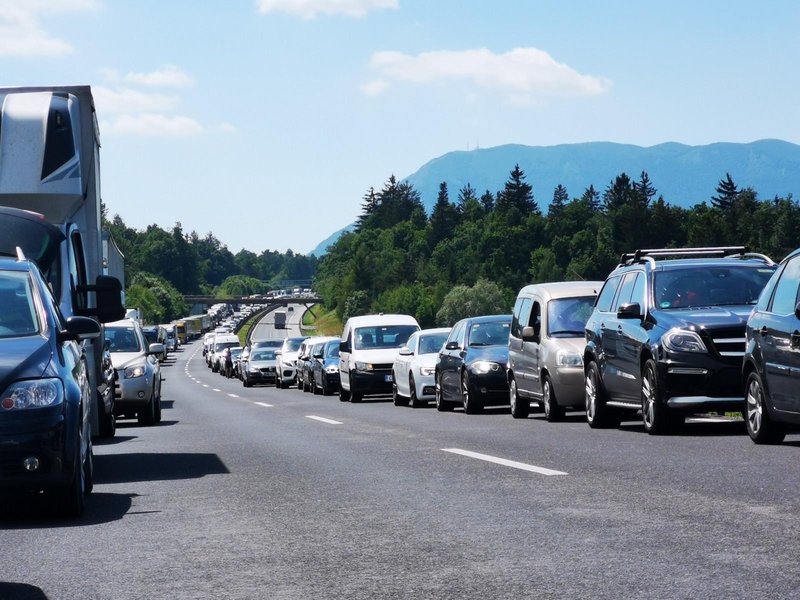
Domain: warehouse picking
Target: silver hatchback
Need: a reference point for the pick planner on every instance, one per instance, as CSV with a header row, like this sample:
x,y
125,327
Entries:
x,y
545,347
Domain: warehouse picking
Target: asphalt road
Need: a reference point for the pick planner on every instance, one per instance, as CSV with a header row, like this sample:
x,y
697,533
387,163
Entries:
x,y
265,328
265,493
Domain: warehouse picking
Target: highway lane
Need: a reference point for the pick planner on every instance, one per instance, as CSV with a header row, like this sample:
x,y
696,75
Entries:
x,y
242,494
265,328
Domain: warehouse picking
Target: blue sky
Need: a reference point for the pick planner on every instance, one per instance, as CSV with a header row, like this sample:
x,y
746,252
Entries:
x,y
265,121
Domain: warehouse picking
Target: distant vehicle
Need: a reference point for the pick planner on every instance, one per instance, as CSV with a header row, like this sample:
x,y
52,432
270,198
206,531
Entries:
x,y
367,351
261,367
545,348
287,361
172,337
471,367
415,366
236,353
45,434
304,357
666,337
180,331
315,357
156,334
221,342
279,319
138,374
325,369
772,357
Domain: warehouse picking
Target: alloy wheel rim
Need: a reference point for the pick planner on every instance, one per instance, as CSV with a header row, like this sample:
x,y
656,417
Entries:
x,y
546,398
754,406
591,396
648,401
513,395
465,391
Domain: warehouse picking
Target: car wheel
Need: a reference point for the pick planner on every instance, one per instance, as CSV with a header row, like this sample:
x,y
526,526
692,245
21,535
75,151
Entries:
x,y
69,501
314,387
552,411
108,422
397,398
441,404
598,415
412,392
472,405
519,408
246,382
147,415
306,387
157,411
355,397
278,382
88,471
655,414
761,428
325,390
344,395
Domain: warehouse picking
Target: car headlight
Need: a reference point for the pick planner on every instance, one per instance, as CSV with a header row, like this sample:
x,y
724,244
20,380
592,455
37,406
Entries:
x,y
332,369
132,372
362,366
568,358
683,340
35,393
427,371
484,366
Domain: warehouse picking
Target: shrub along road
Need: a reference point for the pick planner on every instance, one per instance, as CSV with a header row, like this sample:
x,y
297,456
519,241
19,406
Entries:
x,y
265,493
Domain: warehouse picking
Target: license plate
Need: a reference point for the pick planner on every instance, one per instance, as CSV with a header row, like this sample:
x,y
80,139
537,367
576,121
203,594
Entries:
x,y
387,378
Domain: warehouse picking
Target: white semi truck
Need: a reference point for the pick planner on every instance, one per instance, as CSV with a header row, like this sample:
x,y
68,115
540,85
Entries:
x,y
50,199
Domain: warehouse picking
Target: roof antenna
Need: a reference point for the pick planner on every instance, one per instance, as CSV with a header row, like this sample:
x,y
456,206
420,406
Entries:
x,y
20,254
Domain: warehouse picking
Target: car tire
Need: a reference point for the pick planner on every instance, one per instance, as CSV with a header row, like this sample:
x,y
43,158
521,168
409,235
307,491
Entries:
x,y
760,426
306,387
413,401
397,398
520,409
278,383
147,415
552,411
344,395
108,422
472,405
355,397
314,387
598,415
656,416
69,501
246,382
442,405
157,410
325,389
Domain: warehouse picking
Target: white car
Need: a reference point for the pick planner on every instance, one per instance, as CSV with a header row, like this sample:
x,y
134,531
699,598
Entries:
x,y
414,368
287,361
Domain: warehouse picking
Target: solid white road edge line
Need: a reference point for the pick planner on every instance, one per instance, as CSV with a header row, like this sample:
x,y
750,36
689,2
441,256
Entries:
x,y
505,462
264,404
324,420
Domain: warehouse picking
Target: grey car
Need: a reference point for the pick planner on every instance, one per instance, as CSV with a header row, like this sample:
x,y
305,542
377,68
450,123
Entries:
x,y
545,348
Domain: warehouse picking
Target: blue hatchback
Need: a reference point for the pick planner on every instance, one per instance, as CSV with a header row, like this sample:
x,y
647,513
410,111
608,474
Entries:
x,y
45,435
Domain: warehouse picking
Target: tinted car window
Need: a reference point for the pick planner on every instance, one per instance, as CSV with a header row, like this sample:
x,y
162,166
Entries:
x,y
293,345
566,317
489,334
262,355
522,312
458,333
624,296
638,293
222,345
332,349
786,291
386,336
17,309
122,339
606,296
431,344
709,286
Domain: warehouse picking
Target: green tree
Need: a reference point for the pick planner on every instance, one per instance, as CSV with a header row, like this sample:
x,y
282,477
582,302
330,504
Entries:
x,y
444,218
483,298
726,193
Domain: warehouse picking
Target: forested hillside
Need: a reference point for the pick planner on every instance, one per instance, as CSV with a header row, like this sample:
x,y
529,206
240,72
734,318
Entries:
x,y
399,259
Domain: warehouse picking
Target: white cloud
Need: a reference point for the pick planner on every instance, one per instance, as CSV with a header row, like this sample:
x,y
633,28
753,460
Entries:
x,y
374,88
21,29
126,100
164,76
308,9
153,125
525,74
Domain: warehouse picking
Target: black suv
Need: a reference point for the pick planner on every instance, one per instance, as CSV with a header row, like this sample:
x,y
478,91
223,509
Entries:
x,y
667,337
772,358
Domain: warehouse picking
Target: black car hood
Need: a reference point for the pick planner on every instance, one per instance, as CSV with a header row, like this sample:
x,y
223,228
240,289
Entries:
x,y
23,358
38,239
710,317
498,354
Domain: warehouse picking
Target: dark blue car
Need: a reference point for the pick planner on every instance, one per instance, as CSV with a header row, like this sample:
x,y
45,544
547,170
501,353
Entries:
x,y
45,435
471,368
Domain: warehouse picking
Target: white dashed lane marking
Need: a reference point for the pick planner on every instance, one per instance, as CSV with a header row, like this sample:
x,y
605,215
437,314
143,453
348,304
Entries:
x,y
324,420
264,404
233,395
505,462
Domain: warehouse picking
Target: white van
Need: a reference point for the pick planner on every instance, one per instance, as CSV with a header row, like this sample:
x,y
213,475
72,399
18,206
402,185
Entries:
x,y
367,351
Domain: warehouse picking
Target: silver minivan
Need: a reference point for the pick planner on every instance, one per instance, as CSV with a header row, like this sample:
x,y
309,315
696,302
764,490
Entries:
x,y
545,347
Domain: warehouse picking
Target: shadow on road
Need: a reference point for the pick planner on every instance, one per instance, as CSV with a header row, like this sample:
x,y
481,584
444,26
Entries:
x,y
712,429
139,466
167,404
117,439
35,511
20,591
131,423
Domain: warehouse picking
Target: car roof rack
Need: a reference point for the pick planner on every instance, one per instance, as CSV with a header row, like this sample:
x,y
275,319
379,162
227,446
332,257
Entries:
x,y
654,253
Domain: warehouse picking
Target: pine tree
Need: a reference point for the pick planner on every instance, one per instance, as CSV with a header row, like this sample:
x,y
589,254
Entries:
x,y
592,198
488,201
619,193
644,189
560,198
368,206
517,193
727,192
444,218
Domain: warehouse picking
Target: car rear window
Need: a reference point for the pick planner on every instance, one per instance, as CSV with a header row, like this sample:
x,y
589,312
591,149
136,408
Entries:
x,y
17,309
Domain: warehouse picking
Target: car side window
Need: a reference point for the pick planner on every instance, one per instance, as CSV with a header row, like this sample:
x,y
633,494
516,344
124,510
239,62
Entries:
x,y
536,318
412,343
522,312
624,296
457,334
785,298
606,296
638,295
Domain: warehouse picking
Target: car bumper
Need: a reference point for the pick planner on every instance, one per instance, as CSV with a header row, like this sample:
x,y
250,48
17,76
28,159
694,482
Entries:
x,y
260,376
132,392
426,387
288,374
376,382
569,385
490,388
44,439
702,384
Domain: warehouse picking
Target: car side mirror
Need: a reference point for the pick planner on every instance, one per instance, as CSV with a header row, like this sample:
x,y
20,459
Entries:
x,y
108,292
529,334
344,346
630,311
451,346
405,351
797,310
81,328
155,349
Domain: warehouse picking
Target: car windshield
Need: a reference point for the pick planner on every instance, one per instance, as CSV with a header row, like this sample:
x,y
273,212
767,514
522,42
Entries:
x,y
122,339
385,336
268,344
493,333
222,345
262,355
235,353
17,310
710,286
150,336
293,345
431,344
566,317
332,349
